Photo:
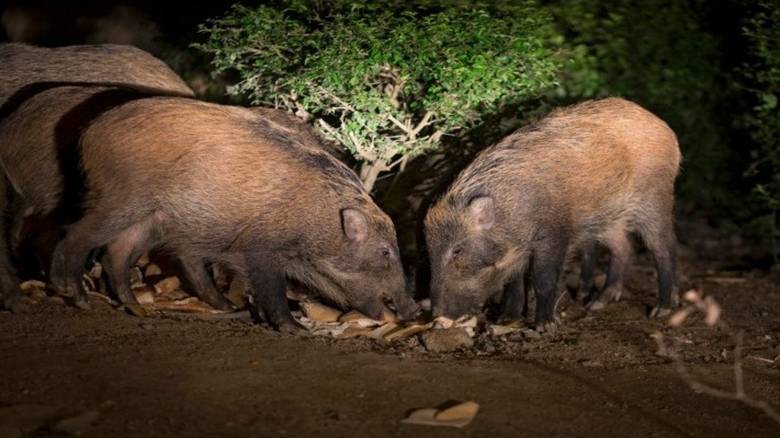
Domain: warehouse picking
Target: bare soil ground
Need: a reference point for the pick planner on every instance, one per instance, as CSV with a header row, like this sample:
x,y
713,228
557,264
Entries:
x,y
182,376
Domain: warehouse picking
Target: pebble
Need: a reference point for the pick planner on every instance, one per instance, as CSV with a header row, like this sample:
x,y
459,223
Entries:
x,y
446,340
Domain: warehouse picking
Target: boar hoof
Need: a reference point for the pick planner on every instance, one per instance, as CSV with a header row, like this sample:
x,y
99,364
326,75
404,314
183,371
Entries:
x,y
80,301
549,327
660,312
291,328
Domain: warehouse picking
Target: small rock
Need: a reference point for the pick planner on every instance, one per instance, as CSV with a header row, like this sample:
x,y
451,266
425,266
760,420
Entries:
x,y
152,269
425,304
446,340
76,425
320,312
167,285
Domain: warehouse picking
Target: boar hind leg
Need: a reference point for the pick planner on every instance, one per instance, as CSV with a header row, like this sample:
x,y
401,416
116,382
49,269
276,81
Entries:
x,y
587,271
548,258
515,303
620,254
94,230
123,251
663,247
269,294
10,293
195,271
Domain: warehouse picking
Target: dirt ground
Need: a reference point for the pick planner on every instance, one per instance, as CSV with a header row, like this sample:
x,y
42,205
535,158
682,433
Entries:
x,y
113,374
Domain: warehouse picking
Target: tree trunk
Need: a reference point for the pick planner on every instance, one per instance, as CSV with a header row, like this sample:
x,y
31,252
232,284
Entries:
x,y
369,173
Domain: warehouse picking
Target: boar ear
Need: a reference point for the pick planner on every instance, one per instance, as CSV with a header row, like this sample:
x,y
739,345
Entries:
x,y
481,211
355,224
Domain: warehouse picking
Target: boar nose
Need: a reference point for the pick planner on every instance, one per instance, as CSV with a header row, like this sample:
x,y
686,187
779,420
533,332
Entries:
x,y
405,305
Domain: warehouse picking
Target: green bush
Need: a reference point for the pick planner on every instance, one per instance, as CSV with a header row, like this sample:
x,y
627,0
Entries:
x,y
762,80
385,80
659,54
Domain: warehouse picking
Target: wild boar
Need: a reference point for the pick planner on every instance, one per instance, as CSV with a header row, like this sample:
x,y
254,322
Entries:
x,y
40,158
592,172
25,69
219,184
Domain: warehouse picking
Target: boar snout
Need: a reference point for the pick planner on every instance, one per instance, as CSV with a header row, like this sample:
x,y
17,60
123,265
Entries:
x,y
405,305
372,309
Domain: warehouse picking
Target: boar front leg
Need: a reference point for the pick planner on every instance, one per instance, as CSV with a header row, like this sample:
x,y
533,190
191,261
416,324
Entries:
x,y
269,295
515,303
547,263
195,271
587,271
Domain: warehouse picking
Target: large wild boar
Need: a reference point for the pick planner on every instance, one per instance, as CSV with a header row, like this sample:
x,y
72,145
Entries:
x,y
40,158
592,172
220,184
24,69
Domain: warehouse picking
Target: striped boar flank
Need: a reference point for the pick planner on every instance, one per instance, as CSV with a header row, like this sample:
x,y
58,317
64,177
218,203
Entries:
x,y
588,174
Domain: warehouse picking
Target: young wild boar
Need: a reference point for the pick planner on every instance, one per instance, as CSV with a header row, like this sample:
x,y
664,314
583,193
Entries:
x,y
40,159
592,172
24,69
220,184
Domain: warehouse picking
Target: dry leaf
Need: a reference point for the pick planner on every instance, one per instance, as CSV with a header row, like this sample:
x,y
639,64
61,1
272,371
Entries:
x,y
680,316
405,332
167,285
713,312
320,312
459,415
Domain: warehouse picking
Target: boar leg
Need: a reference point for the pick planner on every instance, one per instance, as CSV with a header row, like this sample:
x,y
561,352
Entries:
x,y
620,254
269,294
548,258
10,294
122,253
194,270
663,247
95,229
515,305
587,271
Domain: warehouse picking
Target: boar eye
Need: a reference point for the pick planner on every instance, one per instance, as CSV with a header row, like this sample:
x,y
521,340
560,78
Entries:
x,y
386,253
456,253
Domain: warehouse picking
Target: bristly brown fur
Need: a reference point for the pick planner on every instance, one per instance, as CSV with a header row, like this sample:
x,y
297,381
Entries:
x,y
587,172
